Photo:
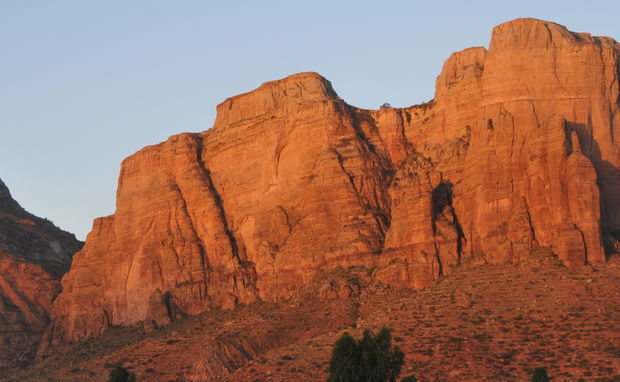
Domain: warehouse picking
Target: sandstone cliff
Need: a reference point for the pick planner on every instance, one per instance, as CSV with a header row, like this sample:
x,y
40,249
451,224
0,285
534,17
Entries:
x,y
34,254
518,151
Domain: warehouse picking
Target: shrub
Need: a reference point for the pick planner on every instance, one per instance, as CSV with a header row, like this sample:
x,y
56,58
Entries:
x,y
371,359
540,375
410,378
120,374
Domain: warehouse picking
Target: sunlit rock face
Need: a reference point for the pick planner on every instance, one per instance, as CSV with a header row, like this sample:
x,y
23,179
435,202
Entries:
x,y
34,254
518,151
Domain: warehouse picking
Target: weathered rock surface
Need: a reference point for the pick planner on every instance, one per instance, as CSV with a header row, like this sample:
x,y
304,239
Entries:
x,y
519,150
34,254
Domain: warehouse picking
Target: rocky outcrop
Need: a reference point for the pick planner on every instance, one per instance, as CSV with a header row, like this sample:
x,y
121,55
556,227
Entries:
x,y
287,181
518,151
525,135
34,254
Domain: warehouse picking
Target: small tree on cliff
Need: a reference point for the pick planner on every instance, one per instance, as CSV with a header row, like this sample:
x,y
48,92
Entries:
x,y
120,374
540,375
371,359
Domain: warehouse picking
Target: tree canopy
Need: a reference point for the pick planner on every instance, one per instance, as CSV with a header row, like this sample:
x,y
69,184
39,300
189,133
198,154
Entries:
x,y
370,359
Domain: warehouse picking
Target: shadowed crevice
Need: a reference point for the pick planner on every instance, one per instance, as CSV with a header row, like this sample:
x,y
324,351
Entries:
x,y
441,199
218,201
171,308
608,182
382,212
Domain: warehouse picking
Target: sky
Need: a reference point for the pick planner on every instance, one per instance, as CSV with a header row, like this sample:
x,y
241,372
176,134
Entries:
x,y
85,83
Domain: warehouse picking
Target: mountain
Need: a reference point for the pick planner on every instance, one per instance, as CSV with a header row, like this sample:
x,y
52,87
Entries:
x,y
34,254
518,153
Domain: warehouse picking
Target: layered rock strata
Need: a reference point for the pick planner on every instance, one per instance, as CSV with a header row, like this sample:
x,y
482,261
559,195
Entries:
x,y
519,150
34,254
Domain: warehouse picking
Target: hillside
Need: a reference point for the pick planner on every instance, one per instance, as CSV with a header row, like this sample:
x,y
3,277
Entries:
x,y
495,322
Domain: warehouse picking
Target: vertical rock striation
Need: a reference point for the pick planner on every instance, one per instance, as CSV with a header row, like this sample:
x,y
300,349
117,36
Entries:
x,y
286,182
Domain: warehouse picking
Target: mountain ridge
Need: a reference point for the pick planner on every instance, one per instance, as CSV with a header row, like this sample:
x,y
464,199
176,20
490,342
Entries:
x,y
518,151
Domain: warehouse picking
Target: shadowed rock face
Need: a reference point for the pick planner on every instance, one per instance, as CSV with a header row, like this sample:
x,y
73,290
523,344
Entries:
x,y
33,239
519,150
34,254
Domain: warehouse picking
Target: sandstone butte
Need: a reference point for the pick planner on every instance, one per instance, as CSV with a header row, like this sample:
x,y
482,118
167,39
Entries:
x,y
34,254
518,151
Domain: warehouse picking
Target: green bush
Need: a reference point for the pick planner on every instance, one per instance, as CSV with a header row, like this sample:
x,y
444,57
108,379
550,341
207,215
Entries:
x,y
371,359
540,375
410,378
120,374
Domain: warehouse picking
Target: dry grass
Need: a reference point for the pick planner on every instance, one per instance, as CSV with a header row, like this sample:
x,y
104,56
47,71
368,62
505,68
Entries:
x,y
488,323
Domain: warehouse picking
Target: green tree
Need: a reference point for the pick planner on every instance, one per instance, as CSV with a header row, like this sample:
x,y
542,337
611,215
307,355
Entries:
x,y
120,374
370,359
540,375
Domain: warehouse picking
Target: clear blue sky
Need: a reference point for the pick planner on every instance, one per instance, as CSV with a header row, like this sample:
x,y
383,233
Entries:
x,y
85,83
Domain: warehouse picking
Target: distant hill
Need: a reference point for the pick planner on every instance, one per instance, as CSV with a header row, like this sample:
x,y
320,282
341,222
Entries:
x,y
34,254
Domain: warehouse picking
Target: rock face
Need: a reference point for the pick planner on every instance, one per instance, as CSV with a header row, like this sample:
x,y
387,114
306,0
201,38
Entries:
x,y
518,151
34,254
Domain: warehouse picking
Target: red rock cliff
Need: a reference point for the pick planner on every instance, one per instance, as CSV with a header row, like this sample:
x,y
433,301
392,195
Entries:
x,y
518,150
